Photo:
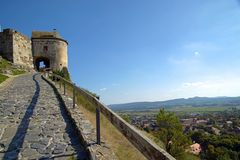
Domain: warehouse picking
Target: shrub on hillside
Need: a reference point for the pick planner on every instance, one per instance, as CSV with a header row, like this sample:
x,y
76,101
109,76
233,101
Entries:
x,y
63,73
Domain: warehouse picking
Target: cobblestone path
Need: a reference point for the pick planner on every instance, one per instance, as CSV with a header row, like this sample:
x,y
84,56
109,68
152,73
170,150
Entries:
x,y
33,124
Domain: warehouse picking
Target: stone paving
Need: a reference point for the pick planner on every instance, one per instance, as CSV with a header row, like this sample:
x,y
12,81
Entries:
x,y
33,123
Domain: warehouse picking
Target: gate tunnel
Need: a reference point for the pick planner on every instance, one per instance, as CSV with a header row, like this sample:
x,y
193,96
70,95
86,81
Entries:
x,y
41,63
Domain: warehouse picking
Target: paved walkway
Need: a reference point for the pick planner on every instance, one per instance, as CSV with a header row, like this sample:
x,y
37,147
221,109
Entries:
x,y
33,123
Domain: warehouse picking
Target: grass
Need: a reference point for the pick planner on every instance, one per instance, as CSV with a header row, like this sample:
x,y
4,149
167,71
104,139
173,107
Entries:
x,y
122,148
190,156
3,78
6,65
155,139
116,141
17,71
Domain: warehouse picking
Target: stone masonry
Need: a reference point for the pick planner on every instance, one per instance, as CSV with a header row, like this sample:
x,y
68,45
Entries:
x,y
16,47
50,48
34,124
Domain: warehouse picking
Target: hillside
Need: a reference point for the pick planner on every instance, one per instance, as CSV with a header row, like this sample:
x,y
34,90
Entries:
x,y
8,69
182,102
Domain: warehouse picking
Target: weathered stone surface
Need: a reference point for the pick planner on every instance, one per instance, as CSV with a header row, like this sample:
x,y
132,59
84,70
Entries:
x,y
2,147
28,153
9,132
16,48
33,124
55,49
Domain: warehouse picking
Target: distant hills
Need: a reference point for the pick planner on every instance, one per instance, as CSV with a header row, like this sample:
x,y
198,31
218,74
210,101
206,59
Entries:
x,y
182,102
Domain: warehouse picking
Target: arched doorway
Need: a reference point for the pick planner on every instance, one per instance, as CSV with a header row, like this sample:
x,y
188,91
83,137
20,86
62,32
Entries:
x,y
41,63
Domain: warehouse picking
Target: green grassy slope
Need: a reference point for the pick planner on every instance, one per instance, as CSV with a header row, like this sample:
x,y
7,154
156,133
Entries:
x,y
3,78
8,68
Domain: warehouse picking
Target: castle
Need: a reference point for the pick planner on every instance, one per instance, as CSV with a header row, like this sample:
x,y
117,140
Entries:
x,y
44,48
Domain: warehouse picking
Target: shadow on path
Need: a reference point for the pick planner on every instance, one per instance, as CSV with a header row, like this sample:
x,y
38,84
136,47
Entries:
x,y
70,128
18,139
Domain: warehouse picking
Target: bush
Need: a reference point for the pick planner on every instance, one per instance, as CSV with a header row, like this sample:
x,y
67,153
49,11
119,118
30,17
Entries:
x,y
63,73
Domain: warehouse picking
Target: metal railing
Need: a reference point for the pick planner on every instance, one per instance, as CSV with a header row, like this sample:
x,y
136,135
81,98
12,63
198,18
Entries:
x,y
148,148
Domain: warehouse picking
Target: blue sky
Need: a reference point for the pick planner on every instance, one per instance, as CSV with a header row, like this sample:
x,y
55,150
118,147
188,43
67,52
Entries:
x,y
141,50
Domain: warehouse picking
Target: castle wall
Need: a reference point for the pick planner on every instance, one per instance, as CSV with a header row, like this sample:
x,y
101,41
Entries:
x,y
16,48
22,50
6,44
54,49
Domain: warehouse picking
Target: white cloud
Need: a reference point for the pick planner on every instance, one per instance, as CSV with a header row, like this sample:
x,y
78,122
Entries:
x,y
194,84
103,89
229,86
196,53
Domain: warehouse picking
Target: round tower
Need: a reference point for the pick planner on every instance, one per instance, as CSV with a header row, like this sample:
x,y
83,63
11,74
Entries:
x,y
49,50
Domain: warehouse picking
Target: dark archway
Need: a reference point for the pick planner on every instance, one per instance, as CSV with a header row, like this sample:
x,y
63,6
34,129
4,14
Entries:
x,y
41,63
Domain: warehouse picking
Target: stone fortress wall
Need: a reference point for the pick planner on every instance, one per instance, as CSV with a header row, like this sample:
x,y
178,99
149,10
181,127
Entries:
x,y
6,45
46,47
22,50
16,47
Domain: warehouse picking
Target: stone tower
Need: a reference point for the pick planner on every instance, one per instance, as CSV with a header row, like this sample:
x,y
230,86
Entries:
x,y
49,48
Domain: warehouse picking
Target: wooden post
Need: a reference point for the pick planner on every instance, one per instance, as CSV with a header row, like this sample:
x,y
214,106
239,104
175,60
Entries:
x,y
98,126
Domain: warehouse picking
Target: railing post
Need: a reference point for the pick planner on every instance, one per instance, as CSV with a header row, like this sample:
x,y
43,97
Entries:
x,y
98,126
46,74
74,96
64,88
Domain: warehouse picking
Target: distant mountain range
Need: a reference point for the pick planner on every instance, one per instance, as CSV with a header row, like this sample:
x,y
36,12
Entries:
x,y
193,102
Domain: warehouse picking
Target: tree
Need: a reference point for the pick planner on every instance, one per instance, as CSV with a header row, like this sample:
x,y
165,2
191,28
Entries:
x,y
218,153
171,133
63,73
197,136
126,118
215,147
